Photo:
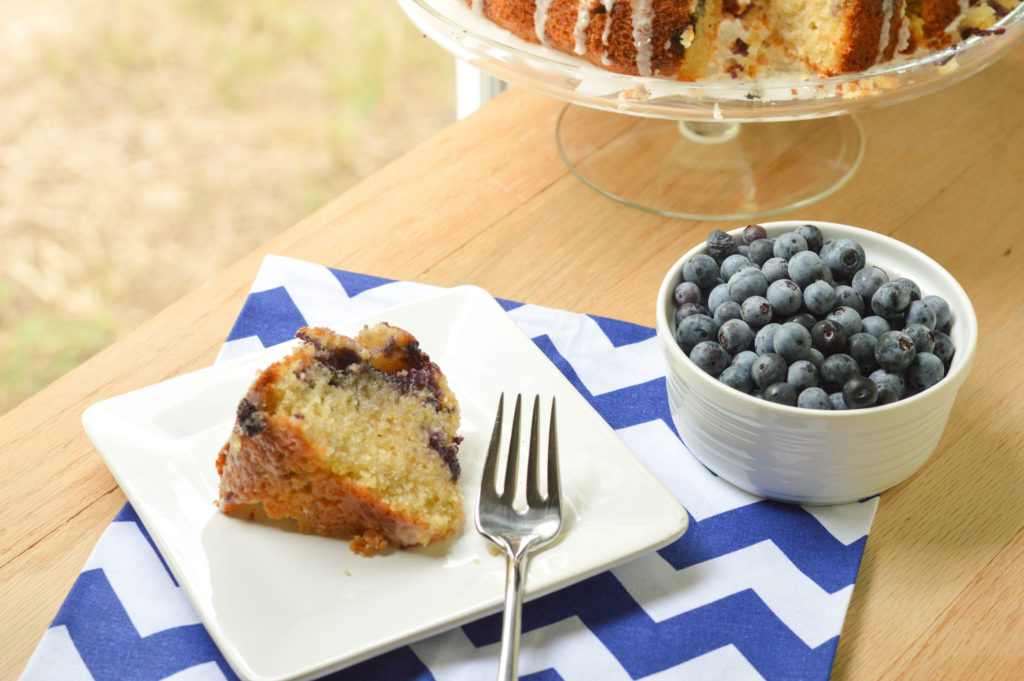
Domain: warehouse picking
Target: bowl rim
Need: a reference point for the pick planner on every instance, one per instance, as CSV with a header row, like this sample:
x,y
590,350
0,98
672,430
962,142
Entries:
x,y
963,358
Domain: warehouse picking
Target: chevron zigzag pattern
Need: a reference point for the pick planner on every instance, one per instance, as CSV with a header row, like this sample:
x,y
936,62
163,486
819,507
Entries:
x,y
754,590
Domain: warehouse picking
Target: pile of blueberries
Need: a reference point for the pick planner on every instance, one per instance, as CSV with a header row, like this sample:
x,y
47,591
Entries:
x,y
805,321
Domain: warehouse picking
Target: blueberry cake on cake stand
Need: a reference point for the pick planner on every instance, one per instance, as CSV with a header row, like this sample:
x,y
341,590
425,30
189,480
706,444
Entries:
x,y
741,94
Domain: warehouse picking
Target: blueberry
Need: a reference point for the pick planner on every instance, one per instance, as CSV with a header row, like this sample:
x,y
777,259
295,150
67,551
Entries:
x,y
744,359
737,377
861,346
743,250
820,298
920,312
726,311
785,296
826,247
695,329
804,319
848,318
836,399
792,342
816,357
761,250
768,369
923,337
710,357
874,325
867,280
829,336
897,320
687,309
940,307
845,258
802,374
752,233
735,336
891,380
943,348
813,398
812,235
781,393
860,392
848,297
764,339
894,350
746,283
733,263
924,371
890,299
718,295
805,267
756,311
886,395
720,246
686,292
786,245
912,288
701,269
836,370
775,269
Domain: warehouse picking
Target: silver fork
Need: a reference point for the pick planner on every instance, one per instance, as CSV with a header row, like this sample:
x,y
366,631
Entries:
x,y
518,531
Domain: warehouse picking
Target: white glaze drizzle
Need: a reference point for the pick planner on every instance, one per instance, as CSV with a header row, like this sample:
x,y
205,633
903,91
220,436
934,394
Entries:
x,y
903,40
540,19
582,24
883,40
608,6
643,22
953,29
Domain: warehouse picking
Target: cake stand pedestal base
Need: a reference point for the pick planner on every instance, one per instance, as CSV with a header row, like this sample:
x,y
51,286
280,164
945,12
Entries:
x,y
674,168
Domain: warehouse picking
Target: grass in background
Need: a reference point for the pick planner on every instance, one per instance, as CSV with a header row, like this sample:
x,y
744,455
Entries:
x,y
144,146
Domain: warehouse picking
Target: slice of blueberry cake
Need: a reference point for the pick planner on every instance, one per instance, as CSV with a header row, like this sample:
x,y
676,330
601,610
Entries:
x,y
351,438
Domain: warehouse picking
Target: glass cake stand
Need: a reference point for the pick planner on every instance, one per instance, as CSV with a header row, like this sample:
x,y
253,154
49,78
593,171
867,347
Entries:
x,y
777,143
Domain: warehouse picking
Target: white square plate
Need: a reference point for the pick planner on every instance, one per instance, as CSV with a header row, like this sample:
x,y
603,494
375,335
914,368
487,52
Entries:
x,y
283,605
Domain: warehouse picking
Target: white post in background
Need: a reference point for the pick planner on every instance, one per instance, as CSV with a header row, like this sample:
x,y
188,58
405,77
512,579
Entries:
x,y
473,88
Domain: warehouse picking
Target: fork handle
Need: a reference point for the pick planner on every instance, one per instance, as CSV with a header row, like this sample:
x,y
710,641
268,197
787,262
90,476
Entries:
x,y
508,660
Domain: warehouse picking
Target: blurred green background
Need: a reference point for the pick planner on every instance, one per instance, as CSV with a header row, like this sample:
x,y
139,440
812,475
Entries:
x,y
144,145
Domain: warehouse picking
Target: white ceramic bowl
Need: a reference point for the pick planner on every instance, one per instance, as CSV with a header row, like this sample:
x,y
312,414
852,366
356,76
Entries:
x,y
809,456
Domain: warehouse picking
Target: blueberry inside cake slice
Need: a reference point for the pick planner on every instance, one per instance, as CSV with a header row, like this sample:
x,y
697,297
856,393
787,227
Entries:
x,y
349,437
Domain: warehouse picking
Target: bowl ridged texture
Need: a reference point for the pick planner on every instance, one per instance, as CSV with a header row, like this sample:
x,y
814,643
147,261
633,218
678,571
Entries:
x,y
817,457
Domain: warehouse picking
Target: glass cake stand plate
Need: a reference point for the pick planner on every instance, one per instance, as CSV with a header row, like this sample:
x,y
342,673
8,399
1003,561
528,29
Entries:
x,y
777,143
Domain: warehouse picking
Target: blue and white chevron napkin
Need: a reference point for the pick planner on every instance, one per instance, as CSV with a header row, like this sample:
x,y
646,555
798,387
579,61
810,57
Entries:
x,y
754,589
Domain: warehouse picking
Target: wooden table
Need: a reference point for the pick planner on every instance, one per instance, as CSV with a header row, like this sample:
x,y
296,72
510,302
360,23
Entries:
x,y
488,202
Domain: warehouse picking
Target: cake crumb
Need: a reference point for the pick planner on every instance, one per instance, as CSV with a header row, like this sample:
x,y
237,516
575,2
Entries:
x,y
638,94
949,65
687,37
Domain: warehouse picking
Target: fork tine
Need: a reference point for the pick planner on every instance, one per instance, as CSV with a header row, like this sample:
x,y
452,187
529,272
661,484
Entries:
x,y
489,479
508,492
533,495
554,482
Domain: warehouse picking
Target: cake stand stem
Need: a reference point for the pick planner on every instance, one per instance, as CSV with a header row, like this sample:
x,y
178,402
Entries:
x,y
709,132
709,170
